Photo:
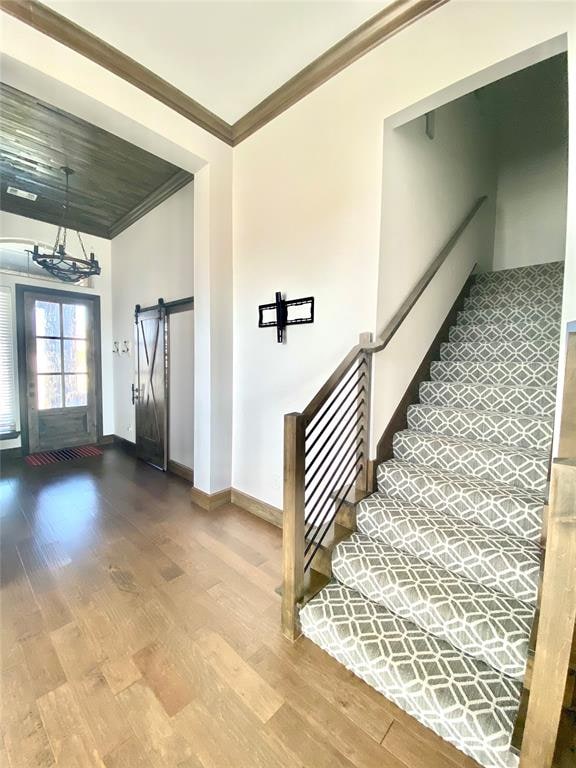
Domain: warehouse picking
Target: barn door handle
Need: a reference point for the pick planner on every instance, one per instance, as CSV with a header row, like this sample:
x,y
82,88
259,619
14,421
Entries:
x,y
135,394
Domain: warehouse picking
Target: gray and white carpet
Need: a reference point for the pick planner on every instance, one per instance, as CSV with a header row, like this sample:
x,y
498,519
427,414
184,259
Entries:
x,y
432,600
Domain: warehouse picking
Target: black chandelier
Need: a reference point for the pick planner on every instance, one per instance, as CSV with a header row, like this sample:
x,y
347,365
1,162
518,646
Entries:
x,y
60,264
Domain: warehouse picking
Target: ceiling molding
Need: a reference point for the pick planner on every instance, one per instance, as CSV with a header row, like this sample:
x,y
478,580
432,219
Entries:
x,y
365,38
58,27
114,182
163,192
380,27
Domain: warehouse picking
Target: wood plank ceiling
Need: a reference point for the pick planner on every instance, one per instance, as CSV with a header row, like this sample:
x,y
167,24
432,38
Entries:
x,y
114,182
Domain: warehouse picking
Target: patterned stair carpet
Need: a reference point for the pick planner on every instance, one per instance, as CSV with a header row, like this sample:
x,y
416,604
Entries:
x,y
432,599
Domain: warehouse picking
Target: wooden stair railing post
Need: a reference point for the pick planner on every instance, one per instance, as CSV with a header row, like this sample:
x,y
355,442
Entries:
x,y
556,624
293,524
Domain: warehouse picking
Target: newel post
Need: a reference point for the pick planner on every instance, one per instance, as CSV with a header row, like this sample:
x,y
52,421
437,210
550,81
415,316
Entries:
x,y
293,523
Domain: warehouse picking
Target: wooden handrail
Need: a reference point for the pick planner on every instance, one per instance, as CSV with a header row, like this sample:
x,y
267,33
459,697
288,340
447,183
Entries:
x,y
394,324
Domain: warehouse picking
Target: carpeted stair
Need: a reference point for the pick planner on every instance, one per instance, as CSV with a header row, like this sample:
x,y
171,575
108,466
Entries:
x,y
432,599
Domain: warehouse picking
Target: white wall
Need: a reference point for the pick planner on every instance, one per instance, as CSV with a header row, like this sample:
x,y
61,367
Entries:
x,y
152,259
429,185
307,208
182,388
19,227
532,144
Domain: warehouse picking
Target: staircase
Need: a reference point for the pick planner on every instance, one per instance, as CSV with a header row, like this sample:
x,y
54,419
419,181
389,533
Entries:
x,y
432,599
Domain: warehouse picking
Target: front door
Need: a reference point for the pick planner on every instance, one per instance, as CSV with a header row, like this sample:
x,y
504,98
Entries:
x,y
150,393
61,383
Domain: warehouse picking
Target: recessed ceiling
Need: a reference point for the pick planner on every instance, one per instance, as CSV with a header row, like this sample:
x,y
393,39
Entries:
x,y
226,55
114,182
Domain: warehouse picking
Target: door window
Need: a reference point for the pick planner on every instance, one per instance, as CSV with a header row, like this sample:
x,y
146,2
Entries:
x,y
61,354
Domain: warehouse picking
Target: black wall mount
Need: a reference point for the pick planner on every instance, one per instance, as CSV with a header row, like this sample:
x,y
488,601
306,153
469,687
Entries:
x,y
282,319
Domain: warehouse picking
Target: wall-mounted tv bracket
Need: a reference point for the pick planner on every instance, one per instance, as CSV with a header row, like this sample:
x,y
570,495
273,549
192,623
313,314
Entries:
x,y
282,318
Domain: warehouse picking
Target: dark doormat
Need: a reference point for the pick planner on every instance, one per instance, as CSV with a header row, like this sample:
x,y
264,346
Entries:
x,y
64,454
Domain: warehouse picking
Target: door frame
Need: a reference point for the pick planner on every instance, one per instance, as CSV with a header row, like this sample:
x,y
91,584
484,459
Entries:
x,y
22,368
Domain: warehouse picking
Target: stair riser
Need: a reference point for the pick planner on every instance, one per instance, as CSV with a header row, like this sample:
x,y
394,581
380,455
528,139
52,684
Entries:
x,y
535,351
522,470
495,374
552,313
483,555
549,285
495,507
533,434
523,300
425,687
552,269
526,401
439,602
511,332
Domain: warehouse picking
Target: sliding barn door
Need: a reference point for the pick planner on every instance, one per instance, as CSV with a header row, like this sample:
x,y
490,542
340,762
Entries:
x,y
151,389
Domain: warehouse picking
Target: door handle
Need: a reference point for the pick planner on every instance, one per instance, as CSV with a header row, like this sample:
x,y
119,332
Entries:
x,y
135,394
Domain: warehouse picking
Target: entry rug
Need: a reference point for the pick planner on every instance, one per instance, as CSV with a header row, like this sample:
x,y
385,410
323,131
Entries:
x,y
65,454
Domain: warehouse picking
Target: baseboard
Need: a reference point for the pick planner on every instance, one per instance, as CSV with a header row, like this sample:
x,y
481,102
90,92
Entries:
x,y
107,440
126,445
256,507
181,470
210,501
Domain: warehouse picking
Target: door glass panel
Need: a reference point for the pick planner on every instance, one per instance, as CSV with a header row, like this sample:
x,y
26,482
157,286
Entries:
x,y
76,388
47,318
49,392
75,320
48,355
75,360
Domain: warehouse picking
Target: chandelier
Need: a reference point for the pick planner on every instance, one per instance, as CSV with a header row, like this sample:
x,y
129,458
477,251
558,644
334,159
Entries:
x,y
60,264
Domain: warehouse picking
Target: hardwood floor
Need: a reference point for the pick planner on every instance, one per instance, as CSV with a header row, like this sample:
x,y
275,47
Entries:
x,y
141,631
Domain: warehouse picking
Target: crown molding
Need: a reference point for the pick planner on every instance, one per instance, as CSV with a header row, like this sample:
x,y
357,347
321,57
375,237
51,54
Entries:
x,y
388,22
163,192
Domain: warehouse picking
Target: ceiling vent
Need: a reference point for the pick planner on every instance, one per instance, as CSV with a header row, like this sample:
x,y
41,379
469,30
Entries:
x,y
22,193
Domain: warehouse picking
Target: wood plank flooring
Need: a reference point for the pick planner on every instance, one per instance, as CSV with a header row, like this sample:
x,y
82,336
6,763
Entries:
x,y
141,631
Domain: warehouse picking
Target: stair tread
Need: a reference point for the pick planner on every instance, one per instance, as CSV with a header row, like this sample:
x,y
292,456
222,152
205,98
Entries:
x,y
513,299
536,350
521,401
534,270
477,620
552,313
514,429
514,466
512,332
498,560
460,698
495,505
550,284
495,373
